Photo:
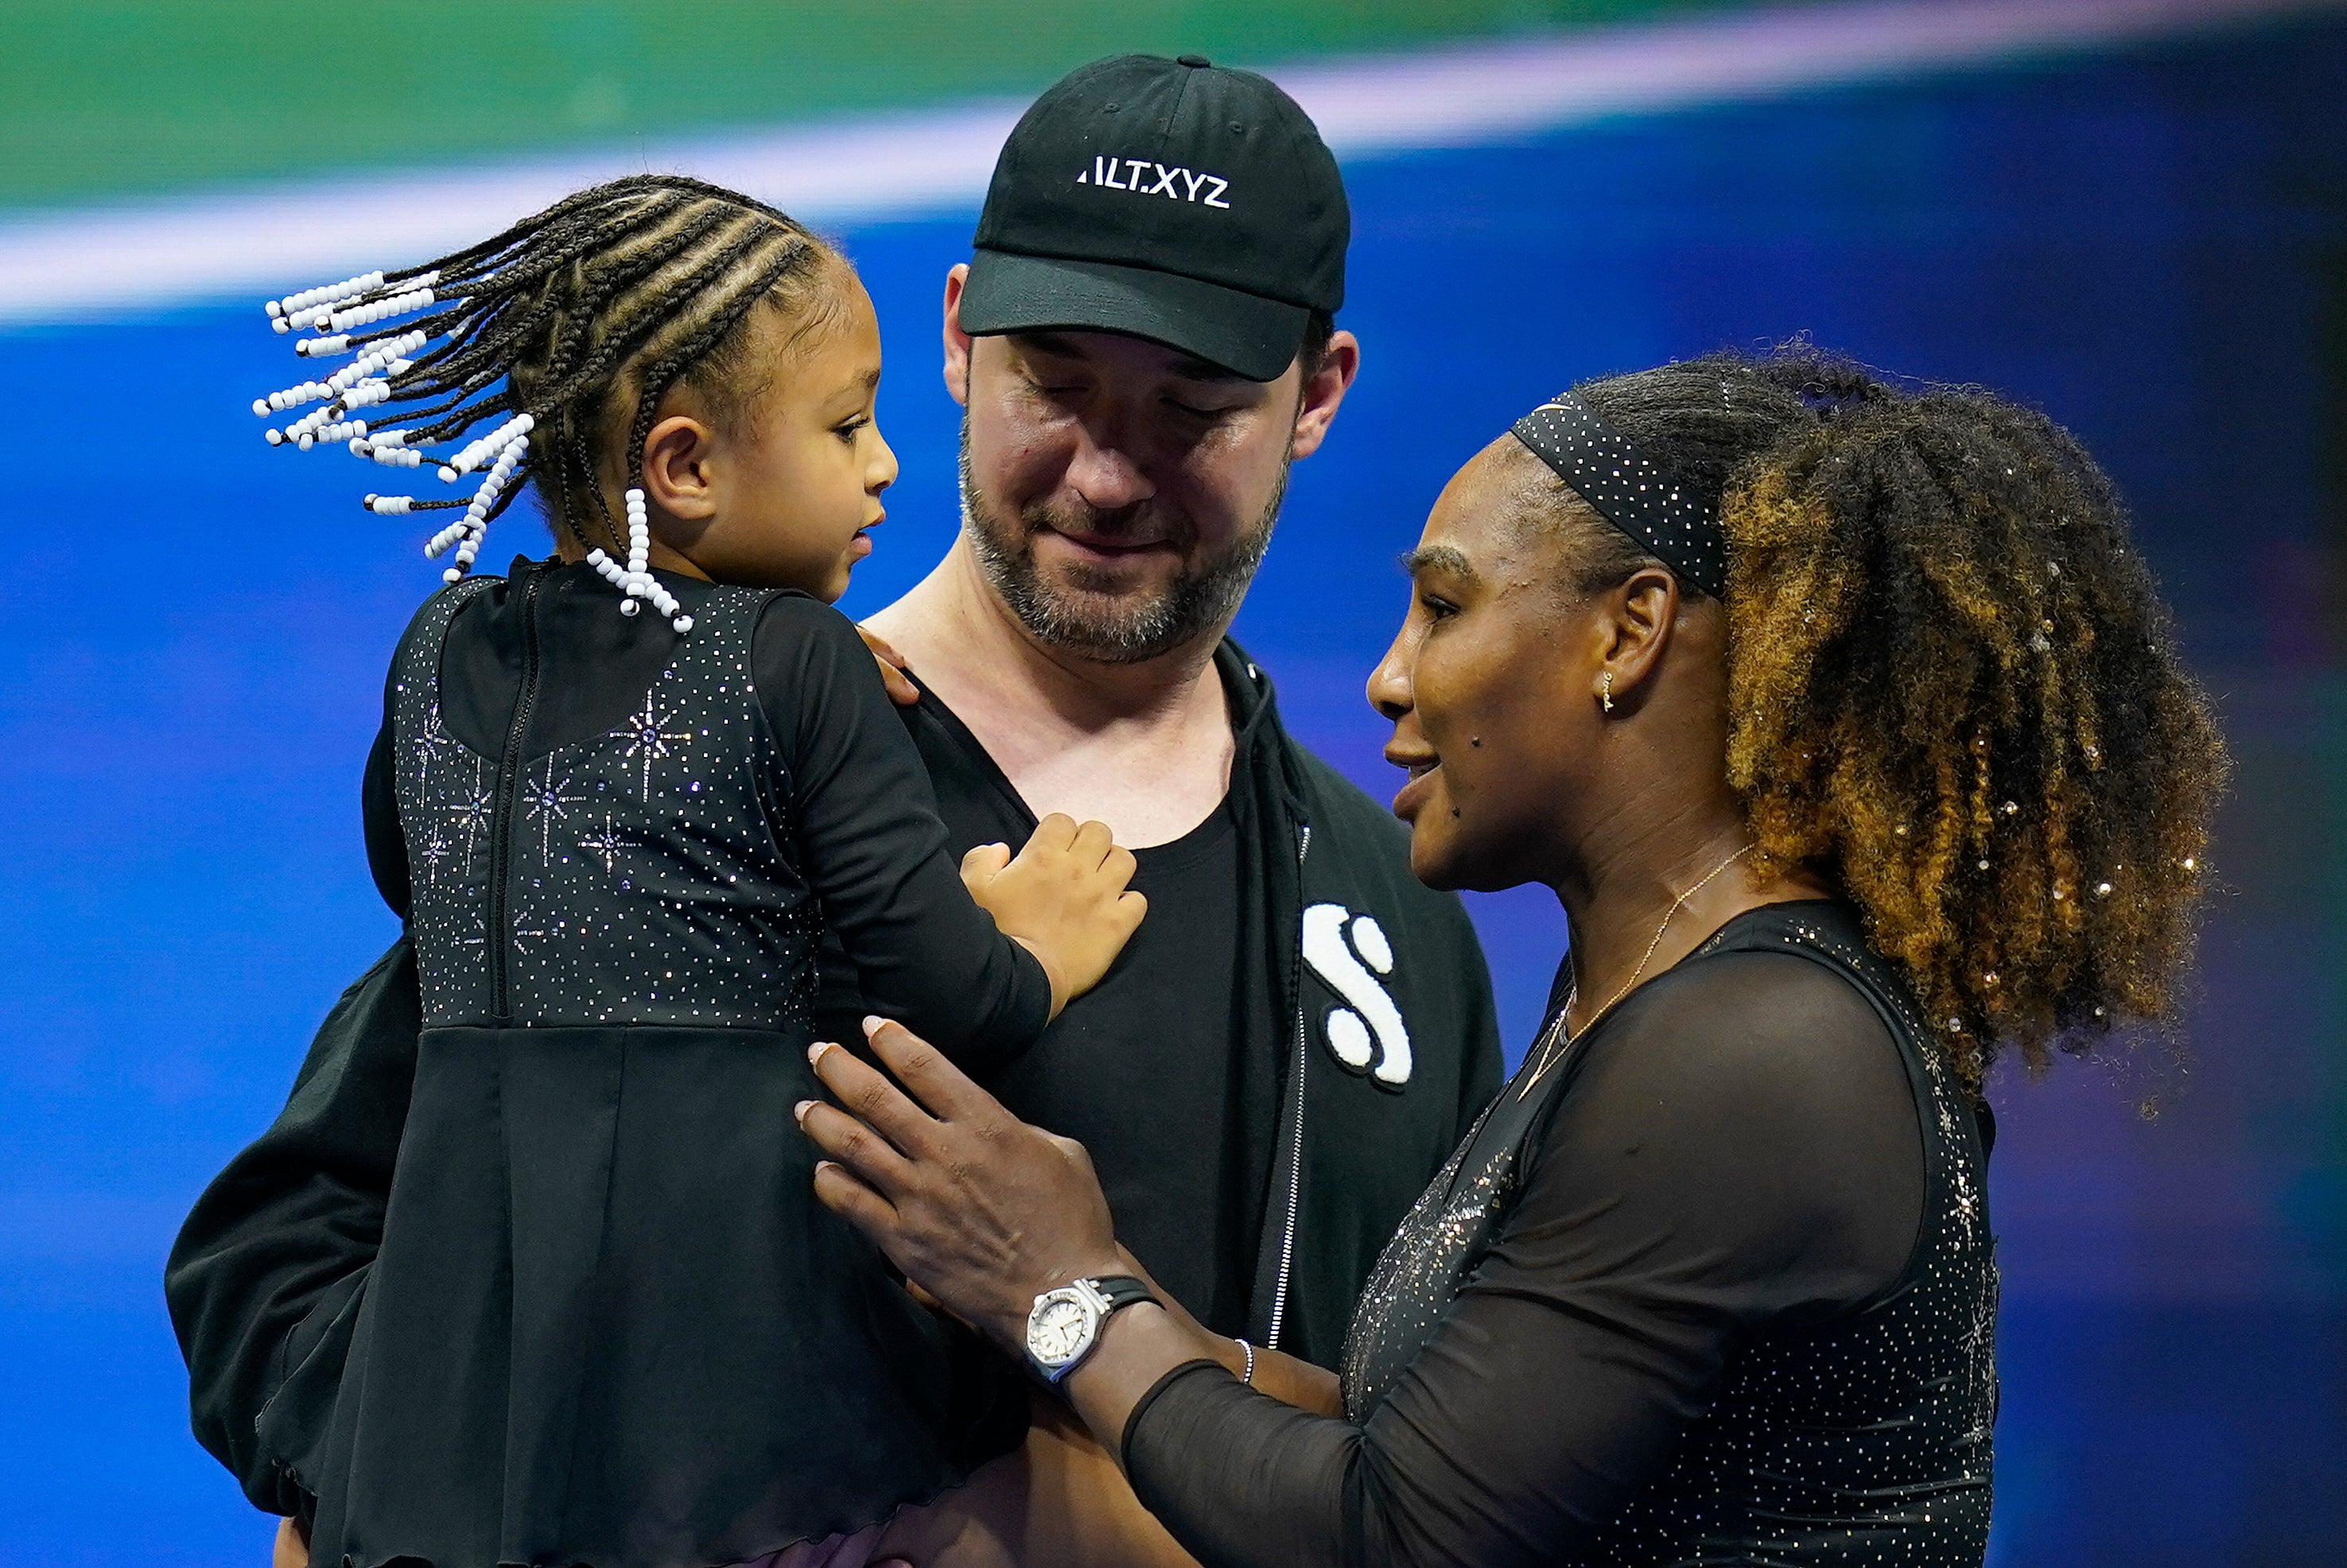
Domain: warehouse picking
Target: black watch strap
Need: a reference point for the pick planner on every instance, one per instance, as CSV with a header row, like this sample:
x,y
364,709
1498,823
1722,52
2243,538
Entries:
x,y
1121,1290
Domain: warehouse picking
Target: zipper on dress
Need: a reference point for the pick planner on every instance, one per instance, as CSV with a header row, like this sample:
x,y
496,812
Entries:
x,y
1296,1156
508,783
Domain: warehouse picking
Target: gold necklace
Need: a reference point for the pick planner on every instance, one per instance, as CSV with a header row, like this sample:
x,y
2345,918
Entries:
x,y
1555,1041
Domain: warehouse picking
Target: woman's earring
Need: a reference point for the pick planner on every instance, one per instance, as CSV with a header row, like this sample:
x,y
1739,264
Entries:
x,y
1606,689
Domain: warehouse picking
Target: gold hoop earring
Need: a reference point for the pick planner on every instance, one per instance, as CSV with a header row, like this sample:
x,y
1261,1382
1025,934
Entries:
x,y
1605,691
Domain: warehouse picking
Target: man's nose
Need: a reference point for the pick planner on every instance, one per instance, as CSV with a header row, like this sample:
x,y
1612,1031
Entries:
x,y
1106,476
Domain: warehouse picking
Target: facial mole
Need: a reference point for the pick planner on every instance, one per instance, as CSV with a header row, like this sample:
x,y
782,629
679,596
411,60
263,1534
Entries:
x,y
1474,740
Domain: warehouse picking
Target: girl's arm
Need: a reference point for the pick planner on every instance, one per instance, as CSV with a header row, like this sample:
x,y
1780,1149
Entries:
x,y
864,816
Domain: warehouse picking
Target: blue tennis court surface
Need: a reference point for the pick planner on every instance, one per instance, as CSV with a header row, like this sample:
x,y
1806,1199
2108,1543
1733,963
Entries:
x,y
2153,247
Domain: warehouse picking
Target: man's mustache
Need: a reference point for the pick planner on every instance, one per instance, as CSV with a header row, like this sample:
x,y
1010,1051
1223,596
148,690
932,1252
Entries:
x,y
1141,522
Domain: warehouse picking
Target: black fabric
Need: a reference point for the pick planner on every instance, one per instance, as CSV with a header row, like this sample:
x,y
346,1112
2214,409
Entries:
x,y
611,1232
1165,1029
862,816
280,1240
1192,206
1734,1305
1260,1173
1637,491
567,1296
284,1234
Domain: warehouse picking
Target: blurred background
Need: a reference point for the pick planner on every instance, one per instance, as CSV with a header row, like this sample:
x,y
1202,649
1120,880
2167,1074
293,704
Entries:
x,y
2130,212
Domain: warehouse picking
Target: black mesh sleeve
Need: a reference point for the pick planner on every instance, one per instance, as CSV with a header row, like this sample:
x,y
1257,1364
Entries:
x,y
1740,1150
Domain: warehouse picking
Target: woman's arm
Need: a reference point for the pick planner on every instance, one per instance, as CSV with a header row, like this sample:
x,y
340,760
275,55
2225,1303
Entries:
x,y
1716,1172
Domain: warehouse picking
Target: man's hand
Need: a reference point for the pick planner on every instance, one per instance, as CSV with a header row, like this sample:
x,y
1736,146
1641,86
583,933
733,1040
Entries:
x,y
901,690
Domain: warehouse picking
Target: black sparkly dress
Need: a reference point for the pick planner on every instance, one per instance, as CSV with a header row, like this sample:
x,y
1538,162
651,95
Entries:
x,y
1716,1287
607,1323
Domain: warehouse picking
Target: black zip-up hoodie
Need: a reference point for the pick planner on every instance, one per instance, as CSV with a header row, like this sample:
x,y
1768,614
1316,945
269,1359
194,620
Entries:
x,y
1383,1028
1383,1004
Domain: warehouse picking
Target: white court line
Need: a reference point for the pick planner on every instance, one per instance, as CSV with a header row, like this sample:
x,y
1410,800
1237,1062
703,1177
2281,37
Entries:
x,y
142,256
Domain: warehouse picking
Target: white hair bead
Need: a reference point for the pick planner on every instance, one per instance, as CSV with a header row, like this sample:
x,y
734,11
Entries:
x,y
325,293
475,453
397,304
637,581
274,437
294,396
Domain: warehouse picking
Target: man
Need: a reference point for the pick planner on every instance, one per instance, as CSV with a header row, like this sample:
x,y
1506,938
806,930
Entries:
x,y
1142,342
1293,1045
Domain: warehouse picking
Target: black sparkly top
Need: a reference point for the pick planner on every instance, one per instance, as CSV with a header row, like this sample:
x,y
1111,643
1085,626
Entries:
x,y
1716,1287
607,1324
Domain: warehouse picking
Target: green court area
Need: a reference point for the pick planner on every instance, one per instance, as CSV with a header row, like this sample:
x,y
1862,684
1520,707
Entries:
x,y
101,99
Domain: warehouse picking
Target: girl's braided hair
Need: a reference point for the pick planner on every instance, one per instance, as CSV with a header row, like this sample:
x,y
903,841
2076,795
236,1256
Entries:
x,y
582,318
1954,690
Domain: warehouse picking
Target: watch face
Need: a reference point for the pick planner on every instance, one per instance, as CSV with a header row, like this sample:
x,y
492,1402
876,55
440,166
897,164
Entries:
x,y
1060,1328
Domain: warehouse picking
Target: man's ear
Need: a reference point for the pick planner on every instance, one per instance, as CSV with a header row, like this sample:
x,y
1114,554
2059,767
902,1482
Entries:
x,y
1317,405
956,342
680,477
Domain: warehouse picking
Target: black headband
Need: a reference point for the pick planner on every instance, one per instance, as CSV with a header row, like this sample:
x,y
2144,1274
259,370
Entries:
x,y
1642,498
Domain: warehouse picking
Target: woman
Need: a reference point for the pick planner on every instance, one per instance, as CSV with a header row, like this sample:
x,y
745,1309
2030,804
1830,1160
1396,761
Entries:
x,y
1844,721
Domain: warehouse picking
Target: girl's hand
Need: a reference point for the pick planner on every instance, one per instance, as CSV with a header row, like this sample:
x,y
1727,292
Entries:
x,y
1065,899
981,1210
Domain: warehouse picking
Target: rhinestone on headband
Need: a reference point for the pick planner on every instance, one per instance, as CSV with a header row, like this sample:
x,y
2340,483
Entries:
x,y
1643,497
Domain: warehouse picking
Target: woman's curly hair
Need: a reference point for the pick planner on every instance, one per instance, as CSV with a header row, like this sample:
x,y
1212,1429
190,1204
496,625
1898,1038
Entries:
x,y
1954,691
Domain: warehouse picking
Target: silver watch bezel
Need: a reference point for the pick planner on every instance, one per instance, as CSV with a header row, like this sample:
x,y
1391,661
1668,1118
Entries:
x,y
1083,1293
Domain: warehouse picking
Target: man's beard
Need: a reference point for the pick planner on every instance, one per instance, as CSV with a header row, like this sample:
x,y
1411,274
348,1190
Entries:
x,y
1096,616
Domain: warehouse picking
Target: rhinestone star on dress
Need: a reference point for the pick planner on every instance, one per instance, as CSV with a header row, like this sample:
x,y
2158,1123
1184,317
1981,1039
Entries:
x,y
605,846
548,806
646,740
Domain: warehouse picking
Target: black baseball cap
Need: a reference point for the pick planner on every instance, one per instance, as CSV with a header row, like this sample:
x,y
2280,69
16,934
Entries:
x,y
1167,200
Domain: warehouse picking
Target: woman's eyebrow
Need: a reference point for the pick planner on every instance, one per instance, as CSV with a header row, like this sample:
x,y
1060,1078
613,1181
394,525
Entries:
x,y
1437,558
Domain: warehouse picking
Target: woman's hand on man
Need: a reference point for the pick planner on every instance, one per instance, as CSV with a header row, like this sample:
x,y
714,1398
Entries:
x,y
983,1211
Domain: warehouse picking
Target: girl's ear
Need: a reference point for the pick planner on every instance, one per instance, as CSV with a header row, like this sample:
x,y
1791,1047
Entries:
x,y
680,476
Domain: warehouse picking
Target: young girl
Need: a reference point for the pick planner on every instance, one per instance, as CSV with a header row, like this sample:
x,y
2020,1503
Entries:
x,y
607,1323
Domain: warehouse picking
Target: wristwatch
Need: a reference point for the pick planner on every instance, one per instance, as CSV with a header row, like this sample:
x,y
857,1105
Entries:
x,y
1066,1323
